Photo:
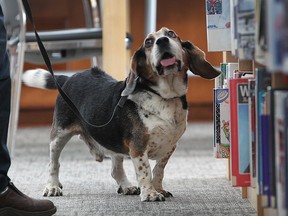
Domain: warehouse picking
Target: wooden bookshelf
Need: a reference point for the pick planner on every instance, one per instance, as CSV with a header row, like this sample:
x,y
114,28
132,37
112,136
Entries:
x,y
279,80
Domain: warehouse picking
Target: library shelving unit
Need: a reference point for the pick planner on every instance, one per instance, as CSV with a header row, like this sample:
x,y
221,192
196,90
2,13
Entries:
x,y
278,80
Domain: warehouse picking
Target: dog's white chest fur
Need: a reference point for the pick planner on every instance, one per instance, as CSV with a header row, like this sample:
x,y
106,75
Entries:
x,y
165,120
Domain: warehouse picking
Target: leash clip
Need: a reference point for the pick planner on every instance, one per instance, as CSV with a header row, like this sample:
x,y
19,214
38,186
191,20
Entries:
x,y
122,101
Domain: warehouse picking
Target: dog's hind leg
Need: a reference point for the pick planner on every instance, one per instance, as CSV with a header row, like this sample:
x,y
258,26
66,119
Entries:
x,y
118,173
59,138
93,147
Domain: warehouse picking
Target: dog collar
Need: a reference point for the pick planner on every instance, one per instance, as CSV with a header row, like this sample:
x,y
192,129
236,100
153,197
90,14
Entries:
x,y
147,88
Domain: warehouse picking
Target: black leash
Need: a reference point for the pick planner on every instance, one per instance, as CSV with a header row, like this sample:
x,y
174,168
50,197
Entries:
x,y
46,59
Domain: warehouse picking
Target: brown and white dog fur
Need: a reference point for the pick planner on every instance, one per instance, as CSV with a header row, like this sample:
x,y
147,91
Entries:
x,y
149,124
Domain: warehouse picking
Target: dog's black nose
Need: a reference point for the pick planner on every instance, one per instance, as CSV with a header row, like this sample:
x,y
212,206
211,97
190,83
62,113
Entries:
x,y
162,41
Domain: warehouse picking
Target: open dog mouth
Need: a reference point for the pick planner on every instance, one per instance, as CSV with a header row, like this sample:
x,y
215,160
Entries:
x,y
168,61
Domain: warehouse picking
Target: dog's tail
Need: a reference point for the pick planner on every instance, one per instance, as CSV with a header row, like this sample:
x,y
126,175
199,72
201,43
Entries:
x,y
40,78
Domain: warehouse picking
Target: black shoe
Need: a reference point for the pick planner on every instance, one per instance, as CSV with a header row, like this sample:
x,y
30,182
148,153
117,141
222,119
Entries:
x,y
13,202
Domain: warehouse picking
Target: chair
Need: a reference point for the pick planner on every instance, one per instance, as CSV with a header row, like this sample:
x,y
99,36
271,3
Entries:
x,y
61,45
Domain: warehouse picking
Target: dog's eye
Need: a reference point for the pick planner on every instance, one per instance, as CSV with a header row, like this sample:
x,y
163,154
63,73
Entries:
x,y
171,34
149,42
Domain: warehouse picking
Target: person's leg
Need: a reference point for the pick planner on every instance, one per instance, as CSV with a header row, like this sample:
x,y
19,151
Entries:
x,y
5,97
5,89
12,201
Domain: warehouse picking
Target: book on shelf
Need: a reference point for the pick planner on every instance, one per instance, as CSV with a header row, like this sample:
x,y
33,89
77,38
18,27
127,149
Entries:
x,y
239,127
219,81
279,123
218,25
277,27
286,148
272,164
233,26
245,31
263,81
231,68
221,116
265,137
260,32
221,123
252,131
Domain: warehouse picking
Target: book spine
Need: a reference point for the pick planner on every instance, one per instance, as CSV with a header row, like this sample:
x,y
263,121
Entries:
x,y
216,122
263,80
230,70
265,154
252,129
286,150
279,151
272,169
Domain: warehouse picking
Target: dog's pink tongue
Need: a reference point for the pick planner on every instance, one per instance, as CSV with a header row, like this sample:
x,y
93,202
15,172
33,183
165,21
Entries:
x,y
168,62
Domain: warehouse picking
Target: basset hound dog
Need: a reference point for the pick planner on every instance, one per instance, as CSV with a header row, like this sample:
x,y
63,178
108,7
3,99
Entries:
x,y
147,125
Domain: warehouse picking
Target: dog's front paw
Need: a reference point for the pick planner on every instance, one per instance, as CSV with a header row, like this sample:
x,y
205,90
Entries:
x,y
165,193
53,190
133,190
152,196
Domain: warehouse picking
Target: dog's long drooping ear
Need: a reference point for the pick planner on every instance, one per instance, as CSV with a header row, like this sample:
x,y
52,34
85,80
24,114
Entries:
x,y
131,82
138,62
197,62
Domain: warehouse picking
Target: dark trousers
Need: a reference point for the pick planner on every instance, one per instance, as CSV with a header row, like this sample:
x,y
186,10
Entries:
x,y
5,98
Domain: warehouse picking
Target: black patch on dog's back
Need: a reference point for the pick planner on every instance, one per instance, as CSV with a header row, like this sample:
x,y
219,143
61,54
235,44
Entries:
x,y
96,95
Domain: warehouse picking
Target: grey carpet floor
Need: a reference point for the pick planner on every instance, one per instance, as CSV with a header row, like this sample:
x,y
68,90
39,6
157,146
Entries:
x,y
193,176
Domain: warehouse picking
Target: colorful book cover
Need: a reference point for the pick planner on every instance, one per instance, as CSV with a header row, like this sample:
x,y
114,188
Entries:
x,y
218,25
221,123
263,81
245,21
279,99
252,131
239,126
